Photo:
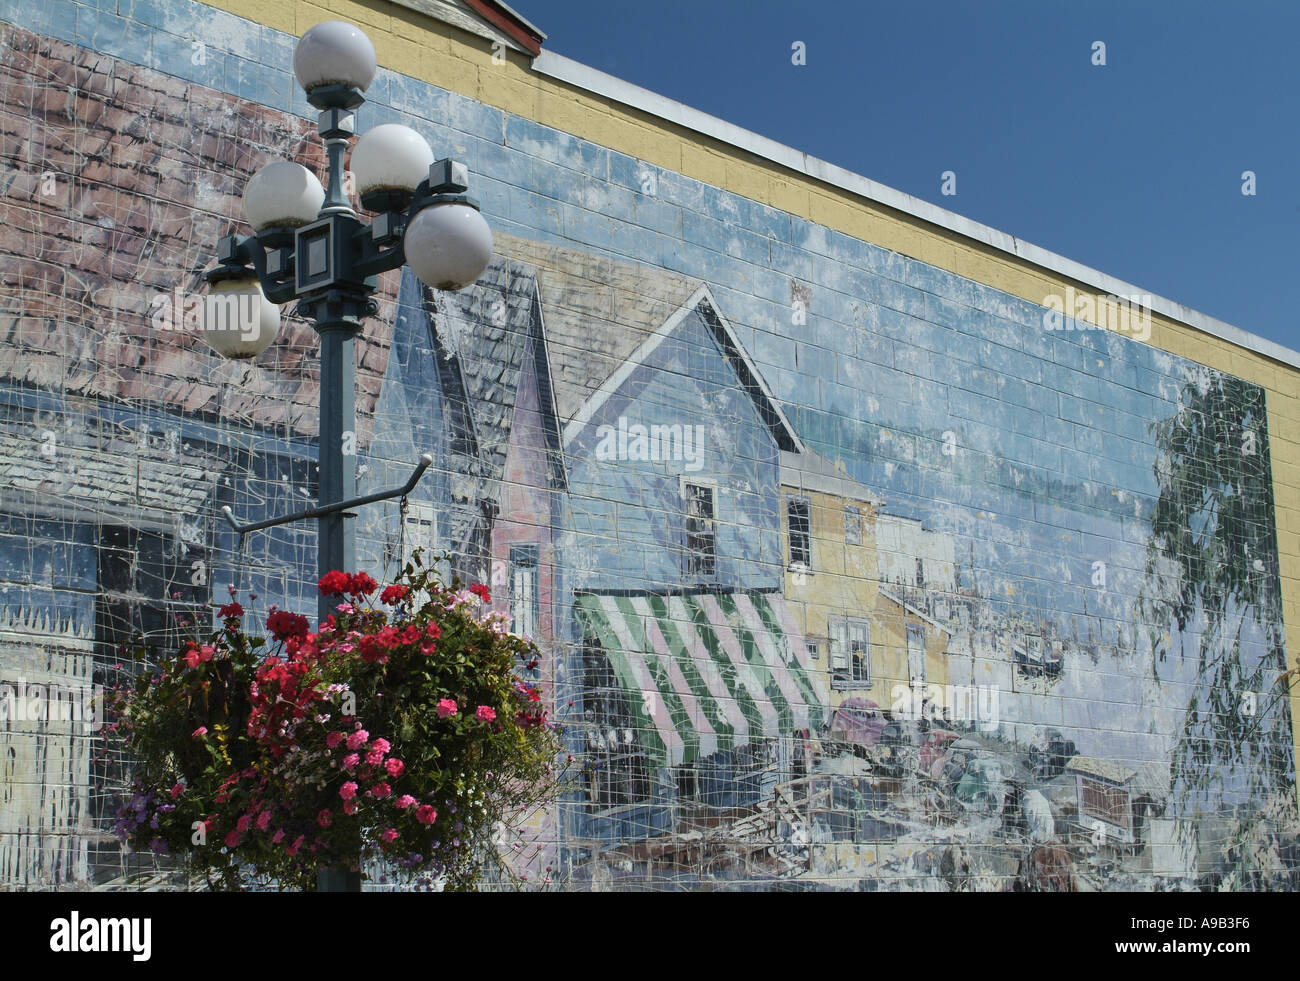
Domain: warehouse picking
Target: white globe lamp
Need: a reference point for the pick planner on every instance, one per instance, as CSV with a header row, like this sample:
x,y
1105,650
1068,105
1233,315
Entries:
x,y
388,163
334,53
283,195
237,320
448,245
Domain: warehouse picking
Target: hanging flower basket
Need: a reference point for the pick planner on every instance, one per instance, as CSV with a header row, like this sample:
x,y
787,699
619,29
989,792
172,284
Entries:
x,y
400,729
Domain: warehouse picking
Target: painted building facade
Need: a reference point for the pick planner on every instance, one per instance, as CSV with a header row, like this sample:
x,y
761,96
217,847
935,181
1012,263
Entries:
x,y
744,442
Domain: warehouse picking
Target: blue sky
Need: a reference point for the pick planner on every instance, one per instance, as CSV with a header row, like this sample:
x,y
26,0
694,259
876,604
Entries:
x,y
1134,168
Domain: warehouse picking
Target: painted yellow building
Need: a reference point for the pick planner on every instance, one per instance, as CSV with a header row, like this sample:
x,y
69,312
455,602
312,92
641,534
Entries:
x,y
864,638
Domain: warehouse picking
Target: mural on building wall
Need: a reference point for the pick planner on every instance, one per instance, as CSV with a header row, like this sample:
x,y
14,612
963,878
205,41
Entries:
x,y
856,575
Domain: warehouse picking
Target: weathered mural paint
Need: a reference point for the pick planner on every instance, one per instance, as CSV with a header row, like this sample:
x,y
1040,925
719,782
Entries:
x,y
848,572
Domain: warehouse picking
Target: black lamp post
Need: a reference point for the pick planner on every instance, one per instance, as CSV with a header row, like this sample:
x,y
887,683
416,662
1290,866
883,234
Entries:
x,y
309,245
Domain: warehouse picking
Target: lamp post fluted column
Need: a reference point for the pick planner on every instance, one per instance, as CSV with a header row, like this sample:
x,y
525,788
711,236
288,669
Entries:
x,y
338,461
309,245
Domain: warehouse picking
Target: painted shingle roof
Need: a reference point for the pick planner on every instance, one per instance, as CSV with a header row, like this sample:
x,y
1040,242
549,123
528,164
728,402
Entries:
x,y
1103,769
92,472
484,339
597,312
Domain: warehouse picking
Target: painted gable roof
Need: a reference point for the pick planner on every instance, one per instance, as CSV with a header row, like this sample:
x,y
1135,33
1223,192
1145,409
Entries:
x,y
484,339
458,365
702,303
99,471
597,311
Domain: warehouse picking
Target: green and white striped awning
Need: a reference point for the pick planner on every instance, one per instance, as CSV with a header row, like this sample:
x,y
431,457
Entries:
x,y
705,672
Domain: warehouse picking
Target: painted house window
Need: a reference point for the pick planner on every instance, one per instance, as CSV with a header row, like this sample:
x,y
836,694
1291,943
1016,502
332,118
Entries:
x,y
799,518
814,650
419,531
920,574
852,525
701,532
688,784
850,653
915,655
523,589
148,584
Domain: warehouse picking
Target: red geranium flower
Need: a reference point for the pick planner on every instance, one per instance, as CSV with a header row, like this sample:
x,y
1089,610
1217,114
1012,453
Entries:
x,y
481,591
360,584
284,625
231,609
372,650
333,583
394,594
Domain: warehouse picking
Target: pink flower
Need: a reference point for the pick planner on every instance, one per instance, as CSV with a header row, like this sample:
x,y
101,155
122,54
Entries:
x,y
333,739
244,822
382,745
325,818
263,820
381,790
297,843
395,767
425,814
405,801
389,836
350,807
232,839
348,790
350,761
358,739
278,836
199,733
485,713
374,757
177,790
446,707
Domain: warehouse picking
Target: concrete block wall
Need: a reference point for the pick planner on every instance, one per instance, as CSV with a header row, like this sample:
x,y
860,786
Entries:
x,y
904,357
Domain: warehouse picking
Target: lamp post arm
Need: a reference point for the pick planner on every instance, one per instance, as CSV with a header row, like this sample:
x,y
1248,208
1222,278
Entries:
x,y
277,283
379,244
236,253
426,461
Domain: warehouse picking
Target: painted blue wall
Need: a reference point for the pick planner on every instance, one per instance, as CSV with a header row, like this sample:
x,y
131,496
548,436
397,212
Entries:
x,y
1051,462
627,527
